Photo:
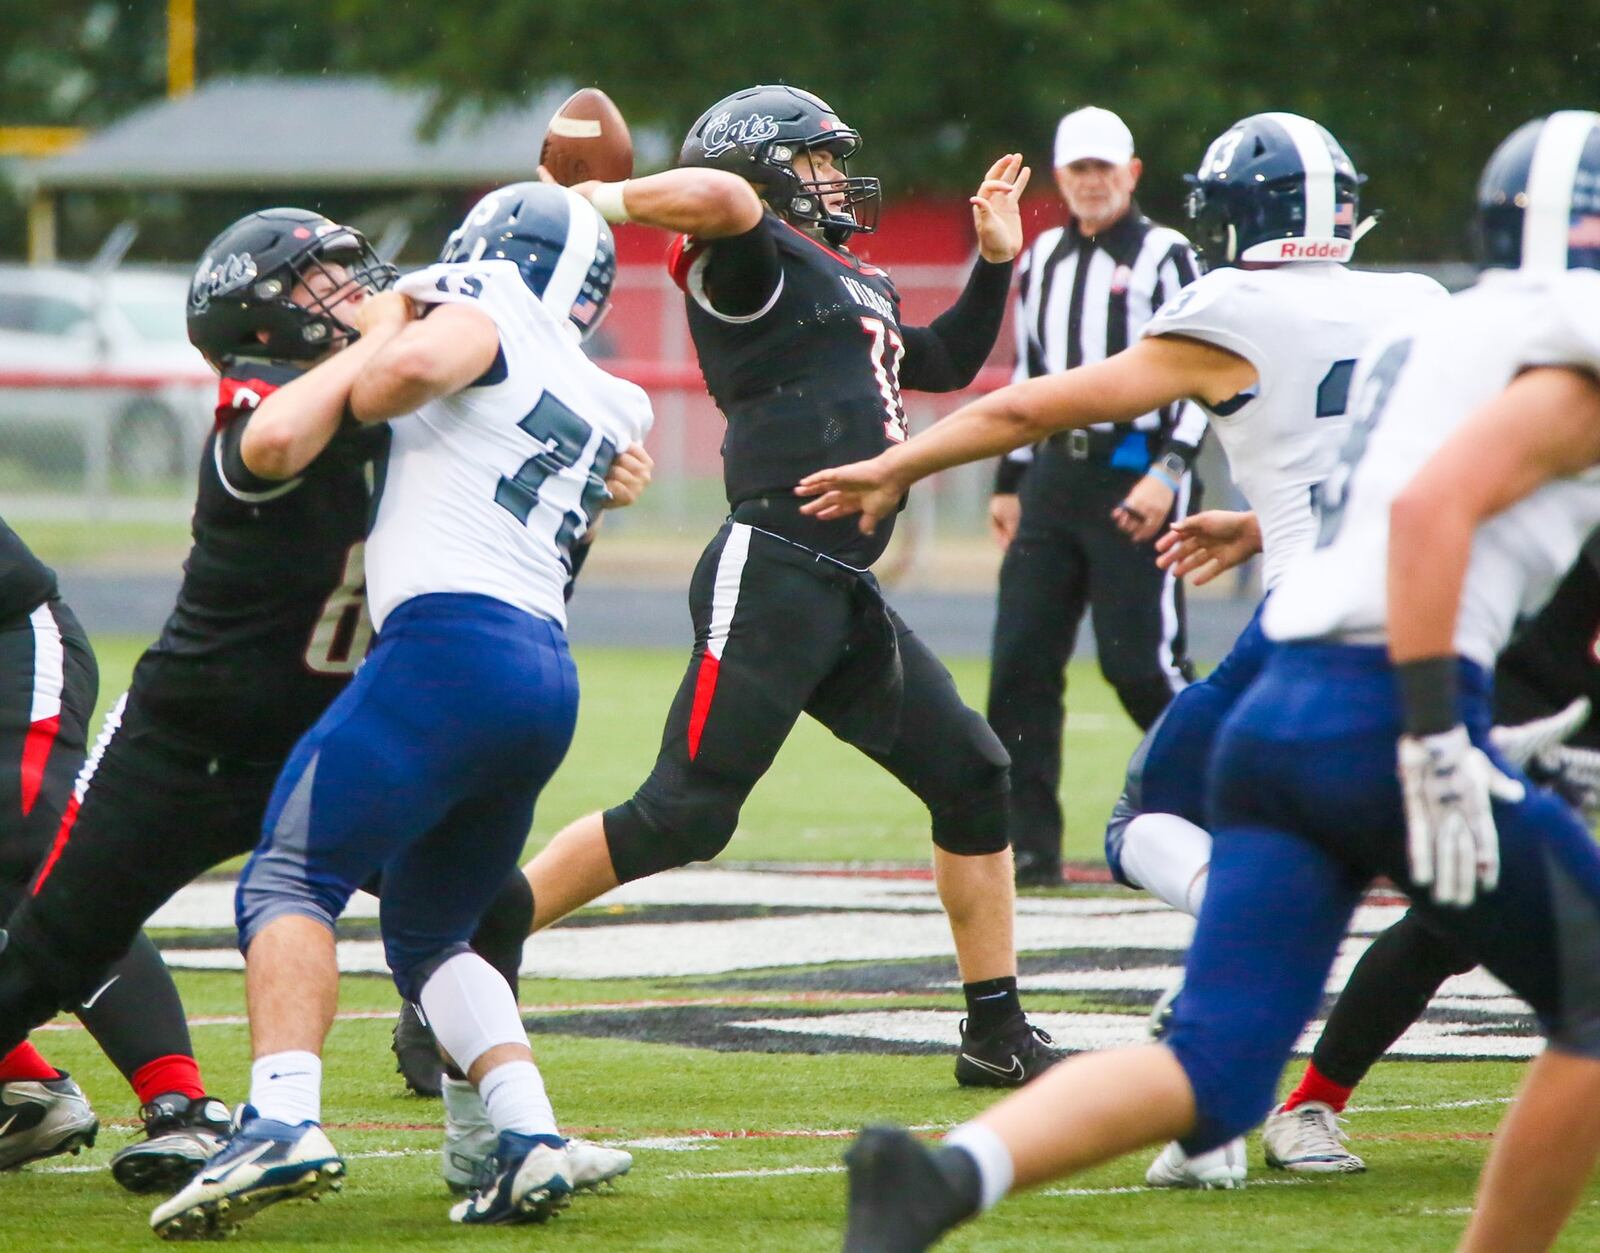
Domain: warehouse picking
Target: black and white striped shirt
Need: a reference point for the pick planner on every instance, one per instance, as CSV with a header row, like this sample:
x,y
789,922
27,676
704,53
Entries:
x,y
1084,298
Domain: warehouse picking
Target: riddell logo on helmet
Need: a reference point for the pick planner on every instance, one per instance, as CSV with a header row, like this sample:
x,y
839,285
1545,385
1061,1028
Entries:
x,y
1314,249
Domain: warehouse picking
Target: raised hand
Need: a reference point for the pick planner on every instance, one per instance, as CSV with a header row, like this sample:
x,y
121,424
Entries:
x,y
994,208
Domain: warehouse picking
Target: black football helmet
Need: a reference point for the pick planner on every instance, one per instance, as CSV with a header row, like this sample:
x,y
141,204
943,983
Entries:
x,y
242,286
1539,197
560,244
757,133
1275,187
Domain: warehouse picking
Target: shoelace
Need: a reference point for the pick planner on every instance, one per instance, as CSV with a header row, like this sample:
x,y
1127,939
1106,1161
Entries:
x,y
1317,1131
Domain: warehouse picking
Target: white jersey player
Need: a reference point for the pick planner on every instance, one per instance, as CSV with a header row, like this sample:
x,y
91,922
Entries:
x,y
1413,389
489,489
1301,327
428,765
1268,348
1480,467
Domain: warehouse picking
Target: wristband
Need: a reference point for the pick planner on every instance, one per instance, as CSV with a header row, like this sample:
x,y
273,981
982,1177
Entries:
x,y
1162,477
607,198
1428,695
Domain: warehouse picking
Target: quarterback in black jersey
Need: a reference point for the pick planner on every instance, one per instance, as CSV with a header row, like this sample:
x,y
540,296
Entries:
x,y
802,347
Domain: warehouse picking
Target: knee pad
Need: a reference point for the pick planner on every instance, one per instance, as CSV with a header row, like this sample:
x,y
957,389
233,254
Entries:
x,y
645,836
970,808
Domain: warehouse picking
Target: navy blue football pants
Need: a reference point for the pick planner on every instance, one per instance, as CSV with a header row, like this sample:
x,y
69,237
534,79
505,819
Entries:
x,y
1306,809
427,768
1168,771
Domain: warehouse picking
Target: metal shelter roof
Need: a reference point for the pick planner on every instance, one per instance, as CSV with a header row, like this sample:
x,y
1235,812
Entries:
x,y
262,133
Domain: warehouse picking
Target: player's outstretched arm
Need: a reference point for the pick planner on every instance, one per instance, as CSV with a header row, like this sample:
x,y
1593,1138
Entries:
x,y
294,424
1204,545
707,204
436,356
1152,373
1544,426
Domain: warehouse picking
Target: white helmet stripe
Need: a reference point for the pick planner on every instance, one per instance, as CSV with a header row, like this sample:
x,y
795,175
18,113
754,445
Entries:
x,y
1547,219
583,234
1318,162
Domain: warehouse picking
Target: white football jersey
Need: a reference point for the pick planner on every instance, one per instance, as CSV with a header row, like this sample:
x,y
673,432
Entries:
x,y
1411,391
488,489
1302,327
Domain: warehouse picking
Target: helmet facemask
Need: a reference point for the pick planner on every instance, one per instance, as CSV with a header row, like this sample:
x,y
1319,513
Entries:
x,y
804,201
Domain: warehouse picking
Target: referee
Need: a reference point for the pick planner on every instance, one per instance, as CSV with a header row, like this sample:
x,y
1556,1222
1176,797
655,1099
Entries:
x,y
1076,513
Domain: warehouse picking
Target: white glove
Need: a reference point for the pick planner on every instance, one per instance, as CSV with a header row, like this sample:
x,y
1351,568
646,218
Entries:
x,y
1450,835
1521,743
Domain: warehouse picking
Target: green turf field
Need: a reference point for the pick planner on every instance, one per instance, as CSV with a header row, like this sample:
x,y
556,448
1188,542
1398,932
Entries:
x,y
740,1149
822,801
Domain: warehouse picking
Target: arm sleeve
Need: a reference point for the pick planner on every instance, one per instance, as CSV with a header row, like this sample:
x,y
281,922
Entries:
x,y
946,355
739,275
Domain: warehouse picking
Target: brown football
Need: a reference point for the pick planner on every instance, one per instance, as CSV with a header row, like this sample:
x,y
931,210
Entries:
x,y
587,138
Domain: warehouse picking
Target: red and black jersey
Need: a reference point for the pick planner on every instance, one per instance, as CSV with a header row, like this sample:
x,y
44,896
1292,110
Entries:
x,y
271,618
802,348
25,581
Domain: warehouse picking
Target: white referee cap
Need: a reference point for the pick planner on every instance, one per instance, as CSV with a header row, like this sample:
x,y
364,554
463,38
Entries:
x,y
1093,134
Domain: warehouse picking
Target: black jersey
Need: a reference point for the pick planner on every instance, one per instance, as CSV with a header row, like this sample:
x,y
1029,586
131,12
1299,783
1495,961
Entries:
x,y
271,619
810,380
25,581
1555,656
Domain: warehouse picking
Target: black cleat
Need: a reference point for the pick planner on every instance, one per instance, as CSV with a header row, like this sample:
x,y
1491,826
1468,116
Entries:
x,y
416,1055
903,1195
181,1135
1005,1058
1032,871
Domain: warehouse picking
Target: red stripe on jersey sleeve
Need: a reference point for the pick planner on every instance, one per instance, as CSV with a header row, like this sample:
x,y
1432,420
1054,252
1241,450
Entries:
x,y
680,256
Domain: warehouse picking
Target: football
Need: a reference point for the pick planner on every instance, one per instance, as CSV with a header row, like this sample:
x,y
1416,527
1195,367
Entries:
x,y
587,138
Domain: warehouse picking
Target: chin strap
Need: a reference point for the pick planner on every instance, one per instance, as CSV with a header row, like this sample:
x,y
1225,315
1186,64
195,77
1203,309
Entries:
x,y
1365,225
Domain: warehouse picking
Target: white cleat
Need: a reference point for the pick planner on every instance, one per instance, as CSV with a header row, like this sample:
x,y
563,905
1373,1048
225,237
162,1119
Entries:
x,y
264,1163
40,1118
1220,1168
470,1140
531,1183
594,1164
1308,1139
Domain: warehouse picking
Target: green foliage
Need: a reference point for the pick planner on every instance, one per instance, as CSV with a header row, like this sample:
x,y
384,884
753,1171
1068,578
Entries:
x,y
1420,94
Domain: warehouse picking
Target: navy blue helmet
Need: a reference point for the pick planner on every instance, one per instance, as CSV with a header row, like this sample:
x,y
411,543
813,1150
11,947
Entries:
x,y
1539,197
559,241
1275,187
757,133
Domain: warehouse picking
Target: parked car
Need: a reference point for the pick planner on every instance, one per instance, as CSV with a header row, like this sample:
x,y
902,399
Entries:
x,y
56,320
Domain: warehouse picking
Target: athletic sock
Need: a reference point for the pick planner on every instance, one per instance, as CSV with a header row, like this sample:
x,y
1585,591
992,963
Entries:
x,y
1168,857
514,1095
287,1087
1316,1086
176,1072
24,1062
991,1003
995,1167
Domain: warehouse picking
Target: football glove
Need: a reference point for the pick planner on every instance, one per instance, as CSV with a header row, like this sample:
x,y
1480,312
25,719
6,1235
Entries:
x,y
1529,740
1451,840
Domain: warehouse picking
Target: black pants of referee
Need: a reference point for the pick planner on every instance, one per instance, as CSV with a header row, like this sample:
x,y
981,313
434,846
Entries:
x,y
1067,558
